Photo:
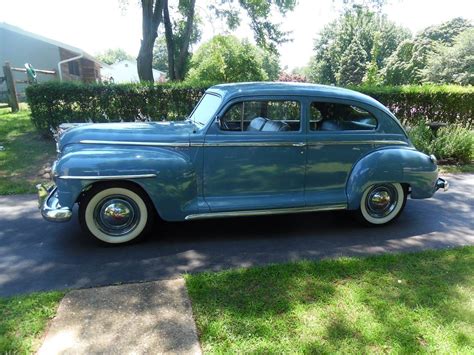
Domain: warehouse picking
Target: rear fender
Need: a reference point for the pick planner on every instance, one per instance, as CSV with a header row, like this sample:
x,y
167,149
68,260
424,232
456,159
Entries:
x,y
392,164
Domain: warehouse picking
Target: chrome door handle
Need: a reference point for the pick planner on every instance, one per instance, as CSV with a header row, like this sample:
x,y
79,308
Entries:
x,y
300,144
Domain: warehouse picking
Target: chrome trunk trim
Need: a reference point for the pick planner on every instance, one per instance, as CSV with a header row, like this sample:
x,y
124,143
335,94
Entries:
x,y
265,212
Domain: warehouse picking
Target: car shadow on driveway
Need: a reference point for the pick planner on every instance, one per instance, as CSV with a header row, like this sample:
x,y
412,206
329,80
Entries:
x,y
36,255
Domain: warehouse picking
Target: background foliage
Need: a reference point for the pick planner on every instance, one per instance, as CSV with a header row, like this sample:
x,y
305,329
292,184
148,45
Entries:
x,y
227,59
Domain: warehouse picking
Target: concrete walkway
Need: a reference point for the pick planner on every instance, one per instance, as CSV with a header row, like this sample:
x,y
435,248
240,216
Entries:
x,y
153,317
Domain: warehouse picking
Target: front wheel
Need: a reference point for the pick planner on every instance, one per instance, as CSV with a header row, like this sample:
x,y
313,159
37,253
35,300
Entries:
x,y
382,203
115,214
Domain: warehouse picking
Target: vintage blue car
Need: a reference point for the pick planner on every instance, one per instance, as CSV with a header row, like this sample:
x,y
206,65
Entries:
x,y
246,149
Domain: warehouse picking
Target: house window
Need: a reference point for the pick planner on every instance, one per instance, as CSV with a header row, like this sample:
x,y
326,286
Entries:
x,y
74,68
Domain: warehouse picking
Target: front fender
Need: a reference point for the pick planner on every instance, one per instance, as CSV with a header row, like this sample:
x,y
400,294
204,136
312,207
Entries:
x,y
167,175
392,164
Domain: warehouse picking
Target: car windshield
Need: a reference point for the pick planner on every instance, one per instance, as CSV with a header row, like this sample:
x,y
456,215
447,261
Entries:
x,y
205,109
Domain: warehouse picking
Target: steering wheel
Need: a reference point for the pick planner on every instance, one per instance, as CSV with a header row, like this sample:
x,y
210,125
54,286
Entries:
x,y
224,125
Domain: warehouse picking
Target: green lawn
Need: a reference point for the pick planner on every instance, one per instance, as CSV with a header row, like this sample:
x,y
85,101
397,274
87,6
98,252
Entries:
x,y
408,303
24,153
23,320
454,169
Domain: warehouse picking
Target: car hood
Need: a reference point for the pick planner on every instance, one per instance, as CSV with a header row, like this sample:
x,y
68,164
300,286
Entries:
x,y
129,132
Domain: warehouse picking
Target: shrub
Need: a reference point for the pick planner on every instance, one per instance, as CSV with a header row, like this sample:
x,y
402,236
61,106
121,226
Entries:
x,y
53,103
421,136
452,143
429,103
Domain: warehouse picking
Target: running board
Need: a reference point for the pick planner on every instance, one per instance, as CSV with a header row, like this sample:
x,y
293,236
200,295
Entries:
x,y
265,212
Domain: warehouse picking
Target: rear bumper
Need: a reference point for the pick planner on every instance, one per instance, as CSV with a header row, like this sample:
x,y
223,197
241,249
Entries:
x,y
442,184
49,206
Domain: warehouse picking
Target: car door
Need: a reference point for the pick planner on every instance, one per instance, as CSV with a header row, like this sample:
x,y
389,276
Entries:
x,y
254,156
339,133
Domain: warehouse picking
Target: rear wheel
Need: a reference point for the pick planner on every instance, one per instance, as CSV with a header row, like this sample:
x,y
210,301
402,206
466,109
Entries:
x,y
382,203
115,214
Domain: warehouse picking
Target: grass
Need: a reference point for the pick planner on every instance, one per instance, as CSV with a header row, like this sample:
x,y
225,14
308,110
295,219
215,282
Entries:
x,y
454,169
24,153
23,320
407,303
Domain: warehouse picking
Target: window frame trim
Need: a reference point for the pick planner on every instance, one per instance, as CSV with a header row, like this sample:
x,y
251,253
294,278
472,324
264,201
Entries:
x,y
242,99
368,108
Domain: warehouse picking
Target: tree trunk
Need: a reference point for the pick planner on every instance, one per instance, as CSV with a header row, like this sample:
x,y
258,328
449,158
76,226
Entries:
x,y
177,61
152,13
184,50
169,40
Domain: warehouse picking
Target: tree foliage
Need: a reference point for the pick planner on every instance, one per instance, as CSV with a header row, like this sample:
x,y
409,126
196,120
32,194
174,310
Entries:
x,y
453,64
227,59
113,55
353,37
181,29
408,63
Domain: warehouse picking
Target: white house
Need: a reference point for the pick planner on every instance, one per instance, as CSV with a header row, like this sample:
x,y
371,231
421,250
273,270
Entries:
x,y
126,71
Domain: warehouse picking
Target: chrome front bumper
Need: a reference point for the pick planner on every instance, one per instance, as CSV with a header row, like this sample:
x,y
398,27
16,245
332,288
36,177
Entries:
x,y
49,206
442,184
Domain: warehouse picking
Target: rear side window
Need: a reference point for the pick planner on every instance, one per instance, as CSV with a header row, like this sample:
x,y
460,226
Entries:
x,y
262,116
329,116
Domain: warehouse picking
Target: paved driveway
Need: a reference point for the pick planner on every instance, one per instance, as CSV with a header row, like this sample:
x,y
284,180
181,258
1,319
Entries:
x,y
37,255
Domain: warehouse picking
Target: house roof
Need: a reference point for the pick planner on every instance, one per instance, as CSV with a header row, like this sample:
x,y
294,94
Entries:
x,y
133,64
8,27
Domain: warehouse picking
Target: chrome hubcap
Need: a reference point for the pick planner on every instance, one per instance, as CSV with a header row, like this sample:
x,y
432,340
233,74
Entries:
x,y
116,215
381,201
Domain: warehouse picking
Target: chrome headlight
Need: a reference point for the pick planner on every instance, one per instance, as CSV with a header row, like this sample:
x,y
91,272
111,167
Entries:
x,y
433,159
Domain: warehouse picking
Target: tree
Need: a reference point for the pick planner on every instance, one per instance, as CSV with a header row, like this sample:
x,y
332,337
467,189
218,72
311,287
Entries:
x,y
111,56
407,64
226,59
358,24
453,64
152,14
353,64
372,76
179,23
270,64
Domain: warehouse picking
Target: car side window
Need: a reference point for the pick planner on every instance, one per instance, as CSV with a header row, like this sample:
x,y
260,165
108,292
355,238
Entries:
x,y
262,116
329,116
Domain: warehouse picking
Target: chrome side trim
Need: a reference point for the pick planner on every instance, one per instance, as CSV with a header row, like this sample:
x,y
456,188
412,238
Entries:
x,y
243,144
382,142
154,144
249,144
109,177
265,212
295,144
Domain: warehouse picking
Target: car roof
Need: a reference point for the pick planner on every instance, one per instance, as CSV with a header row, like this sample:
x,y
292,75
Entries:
x,y
234,90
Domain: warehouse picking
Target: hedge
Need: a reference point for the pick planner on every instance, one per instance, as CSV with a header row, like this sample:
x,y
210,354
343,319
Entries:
x,y
53,103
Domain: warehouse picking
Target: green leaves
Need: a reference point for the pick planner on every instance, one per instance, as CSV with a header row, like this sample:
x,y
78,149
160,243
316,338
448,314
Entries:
x,y
357,38
228,59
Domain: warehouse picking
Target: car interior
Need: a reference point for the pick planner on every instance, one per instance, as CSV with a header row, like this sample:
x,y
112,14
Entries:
x,y
284,116
262,116
328,116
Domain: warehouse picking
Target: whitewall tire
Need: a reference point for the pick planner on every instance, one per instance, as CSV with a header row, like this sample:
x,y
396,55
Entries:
x,y
382,203
115,214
